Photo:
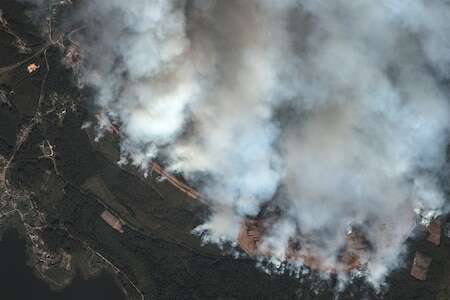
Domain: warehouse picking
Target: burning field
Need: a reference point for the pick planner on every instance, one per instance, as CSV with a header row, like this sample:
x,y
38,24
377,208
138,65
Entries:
x,y
315,131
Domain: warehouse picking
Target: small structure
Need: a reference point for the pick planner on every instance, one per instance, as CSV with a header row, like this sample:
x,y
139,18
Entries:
x,y
31,68
420,266
112,221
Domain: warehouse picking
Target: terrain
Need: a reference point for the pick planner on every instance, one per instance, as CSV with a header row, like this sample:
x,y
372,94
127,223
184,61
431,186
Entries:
x,y
56,180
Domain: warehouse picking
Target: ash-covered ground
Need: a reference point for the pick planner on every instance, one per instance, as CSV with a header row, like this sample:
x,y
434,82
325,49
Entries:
x,y
57,180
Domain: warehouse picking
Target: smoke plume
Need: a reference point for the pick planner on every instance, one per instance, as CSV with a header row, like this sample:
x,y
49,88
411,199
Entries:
x,y
333,113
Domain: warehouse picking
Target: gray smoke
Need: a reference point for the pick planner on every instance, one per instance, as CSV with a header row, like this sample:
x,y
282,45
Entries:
x,y
339,108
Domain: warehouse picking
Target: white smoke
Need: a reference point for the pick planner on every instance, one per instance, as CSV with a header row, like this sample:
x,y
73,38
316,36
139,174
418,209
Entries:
x,y
336,111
